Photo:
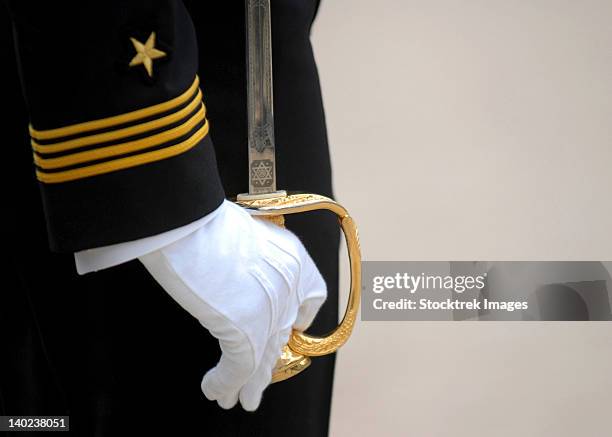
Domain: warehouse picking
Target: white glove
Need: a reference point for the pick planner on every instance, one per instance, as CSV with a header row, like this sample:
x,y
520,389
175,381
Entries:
x,y
249,282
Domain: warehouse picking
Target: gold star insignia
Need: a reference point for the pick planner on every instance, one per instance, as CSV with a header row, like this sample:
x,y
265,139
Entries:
x,y
145,53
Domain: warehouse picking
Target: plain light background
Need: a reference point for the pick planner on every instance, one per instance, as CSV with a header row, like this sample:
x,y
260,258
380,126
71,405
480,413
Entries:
x,y
472,130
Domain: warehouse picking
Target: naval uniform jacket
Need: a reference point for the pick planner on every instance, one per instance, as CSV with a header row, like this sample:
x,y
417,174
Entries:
x,y
128,119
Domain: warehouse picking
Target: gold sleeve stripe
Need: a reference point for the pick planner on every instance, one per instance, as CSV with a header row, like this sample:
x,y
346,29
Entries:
x,y
119,133
123,148
123,163
108,122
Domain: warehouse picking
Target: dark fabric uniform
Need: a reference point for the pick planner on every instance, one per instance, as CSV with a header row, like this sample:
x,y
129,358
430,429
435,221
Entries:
x,y
111,349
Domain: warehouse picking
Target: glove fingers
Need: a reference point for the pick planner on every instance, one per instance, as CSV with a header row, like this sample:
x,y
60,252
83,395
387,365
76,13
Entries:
x,y
223,382
215,389
312,292
251,394
307,313
228,401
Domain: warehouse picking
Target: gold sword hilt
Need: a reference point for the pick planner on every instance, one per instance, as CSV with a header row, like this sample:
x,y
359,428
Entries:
x,y
301,346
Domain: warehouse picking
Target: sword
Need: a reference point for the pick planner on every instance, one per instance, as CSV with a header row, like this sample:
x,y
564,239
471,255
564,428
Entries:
x,y
264,201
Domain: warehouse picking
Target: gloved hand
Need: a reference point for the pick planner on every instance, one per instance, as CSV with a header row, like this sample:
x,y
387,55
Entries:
x,y
249,282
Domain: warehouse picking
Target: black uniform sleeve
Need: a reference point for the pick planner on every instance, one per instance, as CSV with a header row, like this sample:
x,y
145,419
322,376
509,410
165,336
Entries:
x,y
118,126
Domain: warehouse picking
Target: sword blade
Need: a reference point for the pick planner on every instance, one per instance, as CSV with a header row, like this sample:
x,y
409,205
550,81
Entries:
x,y
262,162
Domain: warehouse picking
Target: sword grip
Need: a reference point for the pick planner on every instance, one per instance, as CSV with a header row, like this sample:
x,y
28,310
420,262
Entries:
x,y
301,345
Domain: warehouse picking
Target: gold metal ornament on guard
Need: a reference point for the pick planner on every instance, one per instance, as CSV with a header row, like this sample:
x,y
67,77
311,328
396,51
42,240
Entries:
x,y
301,346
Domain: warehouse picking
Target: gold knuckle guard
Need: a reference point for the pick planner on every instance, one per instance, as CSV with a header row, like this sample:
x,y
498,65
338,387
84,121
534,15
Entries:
x,y
301,346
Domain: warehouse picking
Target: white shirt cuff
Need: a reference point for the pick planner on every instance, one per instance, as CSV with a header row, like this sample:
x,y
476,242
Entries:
x,y
91,260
